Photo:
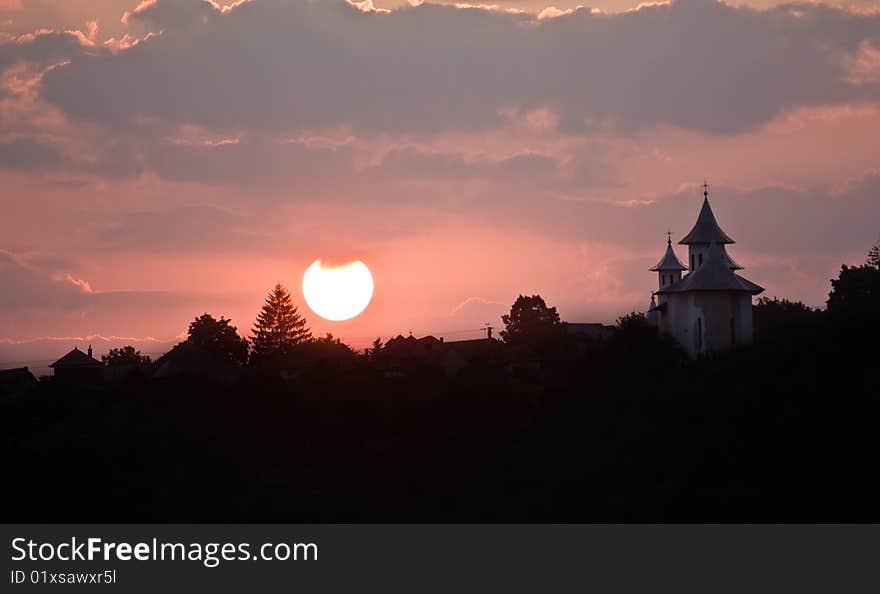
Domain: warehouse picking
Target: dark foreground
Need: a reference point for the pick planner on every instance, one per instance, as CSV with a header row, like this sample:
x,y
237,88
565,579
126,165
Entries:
x,y
626,431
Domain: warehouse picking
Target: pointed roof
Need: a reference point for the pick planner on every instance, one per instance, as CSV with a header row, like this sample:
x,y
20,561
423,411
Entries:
x,y
76,358
731,263
713,275
669,261
706,229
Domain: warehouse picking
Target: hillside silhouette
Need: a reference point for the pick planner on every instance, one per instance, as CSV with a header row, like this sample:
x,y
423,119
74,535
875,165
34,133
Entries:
x,y
549,426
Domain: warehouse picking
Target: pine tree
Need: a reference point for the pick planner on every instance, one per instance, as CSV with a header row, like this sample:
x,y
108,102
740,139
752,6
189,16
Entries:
x,y
279,326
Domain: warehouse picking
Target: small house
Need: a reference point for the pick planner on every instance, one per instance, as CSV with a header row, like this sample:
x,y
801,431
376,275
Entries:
x,y
16,382
77,367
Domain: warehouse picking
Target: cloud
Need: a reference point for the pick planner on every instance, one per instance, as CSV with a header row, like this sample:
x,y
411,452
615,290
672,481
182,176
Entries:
x,y
420,163
38,352
212,94
551,12
36,302
27,288
43,47
266,65
251,161
27,16
768,219
193,228
26,154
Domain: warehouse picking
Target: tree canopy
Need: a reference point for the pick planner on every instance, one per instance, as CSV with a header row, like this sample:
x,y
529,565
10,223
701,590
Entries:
x,y
126,355
218,338
531,322
856,290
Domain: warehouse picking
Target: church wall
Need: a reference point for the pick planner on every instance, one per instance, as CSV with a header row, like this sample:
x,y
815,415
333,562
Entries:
x,y
676,319
704,322
745,319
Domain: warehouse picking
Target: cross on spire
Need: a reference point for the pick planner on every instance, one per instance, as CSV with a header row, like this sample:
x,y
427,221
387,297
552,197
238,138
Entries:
x,y
669,237
705,188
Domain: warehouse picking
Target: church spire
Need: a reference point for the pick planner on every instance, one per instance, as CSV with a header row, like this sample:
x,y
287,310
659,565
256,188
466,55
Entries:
x,y
706,229
669,262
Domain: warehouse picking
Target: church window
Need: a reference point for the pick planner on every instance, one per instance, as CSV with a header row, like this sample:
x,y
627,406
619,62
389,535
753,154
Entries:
x,y
692,261
700,259
699,334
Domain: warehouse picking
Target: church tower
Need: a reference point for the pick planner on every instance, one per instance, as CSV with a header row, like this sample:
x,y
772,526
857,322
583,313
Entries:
x,y
669,268
706,231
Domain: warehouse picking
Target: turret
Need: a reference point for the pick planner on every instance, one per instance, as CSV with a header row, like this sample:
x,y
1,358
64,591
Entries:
x,y
669,268
705,232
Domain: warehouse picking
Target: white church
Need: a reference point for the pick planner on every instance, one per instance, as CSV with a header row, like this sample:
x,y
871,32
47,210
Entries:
x,y
709,309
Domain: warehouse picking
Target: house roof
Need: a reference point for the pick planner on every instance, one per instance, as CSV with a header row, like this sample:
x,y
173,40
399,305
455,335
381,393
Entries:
x,y
472,348
669,261
706,229
16,382
76,358
591,328
713,275
12,378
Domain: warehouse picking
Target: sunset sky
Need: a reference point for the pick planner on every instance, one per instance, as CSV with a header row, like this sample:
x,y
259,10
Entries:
x,y
165,158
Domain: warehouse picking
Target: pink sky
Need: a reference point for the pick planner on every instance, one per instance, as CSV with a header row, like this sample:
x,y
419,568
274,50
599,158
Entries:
x,y
162,159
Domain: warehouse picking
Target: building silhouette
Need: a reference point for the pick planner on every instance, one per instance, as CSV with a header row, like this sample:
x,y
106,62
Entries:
x,y
709,309
77,367
16,382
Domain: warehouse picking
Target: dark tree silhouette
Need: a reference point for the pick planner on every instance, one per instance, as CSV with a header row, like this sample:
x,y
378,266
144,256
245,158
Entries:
x,y
874,256
634,339
633,321
218,338
329,339
279,327
774,316
373,351
856,290
324,353
126,355
531,322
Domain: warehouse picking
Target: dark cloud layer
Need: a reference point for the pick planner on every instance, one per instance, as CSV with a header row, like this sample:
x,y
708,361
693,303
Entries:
x,y
25,154
33,300
268,65
25,287
29,288
182,229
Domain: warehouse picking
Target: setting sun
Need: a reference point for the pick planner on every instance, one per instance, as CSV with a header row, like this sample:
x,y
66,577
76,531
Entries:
x,y
338,293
